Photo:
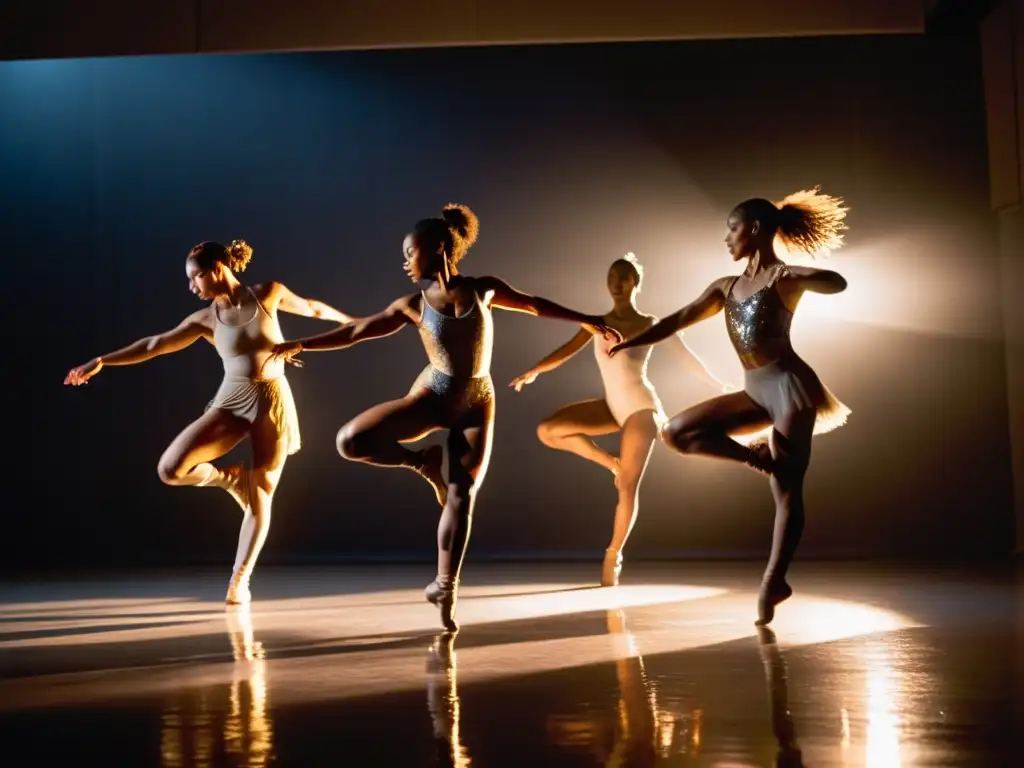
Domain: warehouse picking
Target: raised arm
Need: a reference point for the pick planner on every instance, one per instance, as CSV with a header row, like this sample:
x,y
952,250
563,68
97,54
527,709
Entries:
x,y
391,320
288,301
193,327
708,304
553,360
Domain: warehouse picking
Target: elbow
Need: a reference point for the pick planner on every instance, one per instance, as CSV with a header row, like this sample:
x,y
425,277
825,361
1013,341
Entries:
x,y
839,284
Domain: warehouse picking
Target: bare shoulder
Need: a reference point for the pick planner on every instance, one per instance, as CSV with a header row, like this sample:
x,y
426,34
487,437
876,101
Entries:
x,y
201,318
267,292
409,305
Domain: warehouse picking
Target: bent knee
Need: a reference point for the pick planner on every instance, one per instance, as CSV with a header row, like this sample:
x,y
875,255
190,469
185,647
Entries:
x,y
546,432
680,437
351,443
461,493
170,471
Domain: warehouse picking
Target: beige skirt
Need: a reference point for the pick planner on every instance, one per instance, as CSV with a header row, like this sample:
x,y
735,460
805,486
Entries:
x,y
253,399
789,386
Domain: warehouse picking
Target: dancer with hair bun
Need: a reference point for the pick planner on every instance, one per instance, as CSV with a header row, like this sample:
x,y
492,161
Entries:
x,y
454,392
781,392
254,399
630,405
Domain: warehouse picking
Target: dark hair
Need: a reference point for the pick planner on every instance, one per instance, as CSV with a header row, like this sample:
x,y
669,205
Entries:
x,y
456,229
235,257
807,221
630,262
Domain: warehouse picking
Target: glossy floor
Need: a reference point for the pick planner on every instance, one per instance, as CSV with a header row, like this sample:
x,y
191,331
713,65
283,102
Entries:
x,y
340,666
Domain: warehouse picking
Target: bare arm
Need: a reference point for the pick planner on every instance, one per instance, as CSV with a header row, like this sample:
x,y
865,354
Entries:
x,y
391,320
553,360
290,302
183,335
816,280
505,296
708,304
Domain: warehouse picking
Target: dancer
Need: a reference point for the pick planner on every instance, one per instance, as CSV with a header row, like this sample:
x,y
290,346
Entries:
x,y
253,400
781,392
630,404
776,676
454,391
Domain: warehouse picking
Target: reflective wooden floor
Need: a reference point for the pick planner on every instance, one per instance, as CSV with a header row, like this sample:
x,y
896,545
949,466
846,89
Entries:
x,y
341,666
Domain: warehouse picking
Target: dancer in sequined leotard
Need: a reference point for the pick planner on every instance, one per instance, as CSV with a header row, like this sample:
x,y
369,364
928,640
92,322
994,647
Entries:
x,y
781,392
630,405
253,400
454,392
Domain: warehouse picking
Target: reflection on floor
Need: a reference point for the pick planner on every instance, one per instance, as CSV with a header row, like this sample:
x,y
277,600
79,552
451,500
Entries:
x,y
330,666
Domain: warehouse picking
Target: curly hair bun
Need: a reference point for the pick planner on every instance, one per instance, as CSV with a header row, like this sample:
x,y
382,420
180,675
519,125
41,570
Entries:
x,y
463,223
239,254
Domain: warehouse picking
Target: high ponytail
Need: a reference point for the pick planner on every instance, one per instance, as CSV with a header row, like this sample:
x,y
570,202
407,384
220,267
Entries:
x,y
811,222
456,229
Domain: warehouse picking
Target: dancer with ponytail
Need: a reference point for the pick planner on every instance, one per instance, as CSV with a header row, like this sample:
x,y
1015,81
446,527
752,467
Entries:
x,y
781,392
254,399
454,392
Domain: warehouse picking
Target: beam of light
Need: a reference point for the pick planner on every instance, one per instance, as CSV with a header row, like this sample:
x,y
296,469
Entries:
x,y
328,662
882,739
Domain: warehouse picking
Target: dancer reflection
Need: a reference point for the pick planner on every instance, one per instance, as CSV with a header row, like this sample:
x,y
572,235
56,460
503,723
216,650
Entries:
x,y
781,392
630,405
454,392
788,755
636,734
444,704
254,399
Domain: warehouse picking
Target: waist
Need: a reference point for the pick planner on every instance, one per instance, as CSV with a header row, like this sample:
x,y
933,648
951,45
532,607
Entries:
x,y
766,353
788,363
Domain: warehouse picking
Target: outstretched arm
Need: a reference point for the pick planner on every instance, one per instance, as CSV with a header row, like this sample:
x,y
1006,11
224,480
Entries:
x,y
817,280
290,302
707,305
186,333
385,323
505,296
553,360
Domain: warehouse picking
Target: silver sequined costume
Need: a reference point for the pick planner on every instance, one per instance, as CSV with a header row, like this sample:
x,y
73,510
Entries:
x,y
775,377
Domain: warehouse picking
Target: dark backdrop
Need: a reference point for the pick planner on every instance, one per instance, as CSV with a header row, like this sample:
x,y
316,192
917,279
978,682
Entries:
x,y
571,156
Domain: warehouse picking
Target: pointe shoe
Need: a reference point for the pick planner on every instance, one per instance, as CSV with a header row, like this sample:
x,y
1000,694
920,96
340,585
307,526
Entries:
x,y
768,598
611,569
238,591
444,597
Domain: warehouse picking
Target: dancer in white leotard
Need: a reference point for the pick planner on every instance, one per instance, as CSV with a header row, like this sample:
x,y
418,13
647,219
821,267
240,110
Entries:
x,y
630,405
253,400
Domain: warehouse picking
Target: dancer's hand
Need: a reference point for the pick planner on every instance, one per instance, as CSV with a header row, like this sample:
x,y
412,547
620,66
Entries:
x,y
287,352
598,327
523,379
78,376
615,349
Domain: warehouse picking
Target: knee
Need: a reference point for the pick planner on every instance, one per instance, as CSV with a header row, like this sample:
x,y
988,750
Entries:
x,y
351,443
461,495
679,436
546,432
169,470
264,479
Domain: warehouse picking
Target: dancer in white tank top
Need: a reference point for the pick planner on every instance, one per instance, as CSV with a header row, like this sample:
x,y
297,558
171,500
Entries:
x,y
630,405
253,400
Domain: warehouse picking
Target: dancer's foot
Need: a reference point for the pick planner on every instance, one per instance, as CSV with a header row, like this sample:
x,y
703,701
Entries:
x,y
760,458
433,459
611,569
441,653
443,594
771,594
238,591
236,483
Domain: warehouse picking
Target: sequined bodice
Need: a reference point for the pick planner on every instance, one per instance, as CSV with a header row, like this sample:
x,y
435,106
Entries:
x,y
759,324
459,347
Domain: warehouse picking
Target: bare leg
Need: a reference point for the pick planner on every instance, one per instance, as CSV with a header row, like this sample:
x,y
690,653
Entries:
x,y
782,721
187,459
791,452
376,435
570,429
269,455
638,436
705,429
469,451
